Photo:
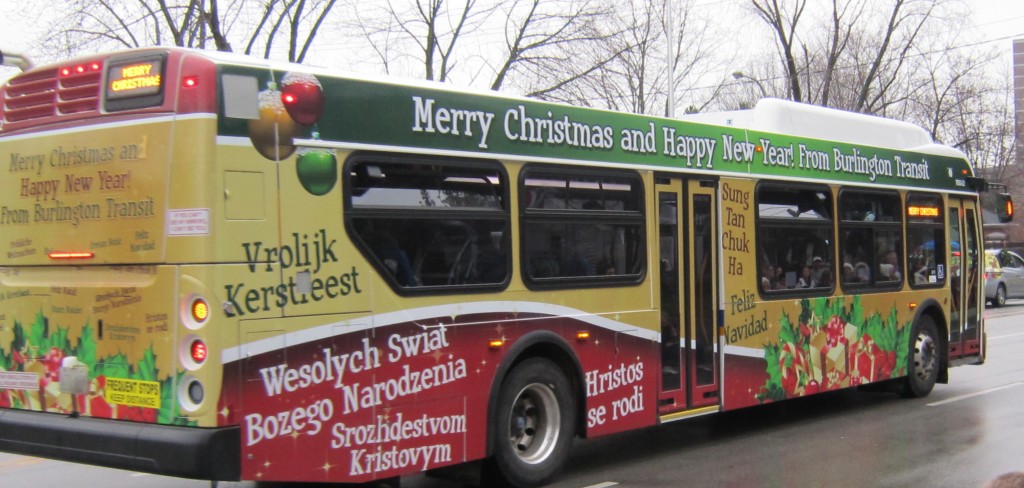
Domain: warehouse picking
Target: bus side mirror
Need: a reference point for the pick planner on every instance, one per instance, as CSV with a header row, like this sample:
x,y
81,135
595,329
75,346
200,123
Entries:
x,y
996,200
1004,207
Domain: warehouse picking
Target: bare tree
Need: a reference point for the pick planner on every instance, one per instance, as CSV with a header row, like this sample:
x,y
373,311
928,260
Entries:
x,y
542,46
907,20
300,20
438,41
784,19
863,60
844,17
427,35
95,25
552,44
636,79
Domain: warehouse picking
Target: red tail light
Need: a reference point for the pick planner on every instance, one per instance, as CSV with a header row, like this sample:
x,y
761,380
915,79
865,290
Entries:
x,y
71,255
198,351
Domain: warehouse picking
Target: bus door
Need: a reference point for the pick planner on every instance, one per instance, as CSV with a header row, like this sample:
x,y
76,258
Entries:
x,y
689,284
965,334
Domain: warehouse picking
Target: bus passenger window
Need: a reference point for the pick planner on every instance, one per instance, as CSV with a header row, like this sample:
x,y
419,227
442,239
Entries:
x,y
581,227
794,235
428,224
926,240
871,239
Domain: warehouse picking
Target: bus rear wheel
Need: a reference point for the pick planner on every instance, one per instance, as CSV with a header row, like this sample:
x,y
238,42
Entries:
x,y
924,358
534,424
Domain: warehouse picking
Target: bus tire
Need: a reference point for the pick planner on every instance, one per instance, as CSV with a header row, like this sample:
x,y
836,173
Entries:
x,y
923,360
534,424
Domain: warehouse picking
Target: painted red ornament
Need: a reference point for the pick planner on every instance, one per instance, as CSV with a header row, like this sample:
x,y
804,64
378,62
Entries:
x,y
303,97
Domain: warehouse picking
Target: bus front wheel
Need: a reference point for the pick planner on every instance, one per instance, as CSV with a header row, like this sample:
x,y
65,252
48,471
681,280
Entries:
x,y
924,358
534,424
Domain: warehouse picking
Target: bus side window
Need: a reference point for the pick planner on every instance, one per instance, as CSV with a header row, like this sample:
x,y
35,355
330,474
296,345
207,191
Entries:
x,y
926,240
430,223
794,236
581,227
871,239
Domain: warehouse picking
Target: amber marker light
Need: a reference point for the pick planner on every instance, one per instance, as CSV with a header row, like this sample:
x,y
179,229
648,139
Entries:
x,y
912,305
582,335
71,255
200,310
496,343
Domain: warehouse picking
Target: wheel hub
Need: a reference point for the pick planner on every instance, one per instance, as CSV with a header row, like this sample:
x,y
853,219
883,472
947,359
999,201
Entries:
x,y
534,423
925,355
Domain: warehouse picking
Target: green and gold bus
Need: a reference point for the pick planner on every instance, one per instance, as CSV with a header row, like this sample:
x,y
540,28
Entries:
x,y
226,268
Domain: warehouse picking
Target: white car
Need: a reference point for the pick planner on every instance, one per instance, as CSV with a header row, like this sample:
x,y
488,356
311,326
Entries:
x,y
1004,276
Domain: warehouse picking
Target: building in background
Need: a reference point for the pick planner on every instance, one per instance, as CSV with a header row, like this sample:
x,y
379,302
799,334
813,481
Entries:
x,y
1018,100
1011,234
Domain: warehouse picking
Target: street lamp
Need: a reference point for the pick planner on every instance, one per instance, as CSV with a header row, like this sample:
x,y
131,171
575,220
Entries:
x,y
740,75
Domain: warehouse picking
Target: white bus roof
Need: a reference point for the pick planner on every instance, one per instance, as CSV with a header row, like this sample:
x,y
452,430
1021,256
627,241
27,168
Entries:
x,y
778,116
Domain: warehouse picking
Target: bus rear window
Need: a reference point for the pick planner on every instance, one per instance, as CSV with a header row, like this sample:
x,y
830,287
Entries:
x,y
134,82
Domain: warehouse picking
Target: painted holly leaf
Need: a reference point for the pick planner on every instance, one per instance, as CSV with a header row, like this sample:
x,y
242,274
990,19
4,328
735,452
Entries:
x,y
902,349
805,311
19,337
115,366
86,349
856,311
772,390
38,331
168,407
886,337
59,339
787,333
822,313
874,327
146,367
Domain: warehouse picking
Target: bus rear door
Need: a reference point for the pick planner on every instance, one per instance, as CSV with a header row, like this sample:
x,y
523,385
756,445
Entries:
x,y
689,284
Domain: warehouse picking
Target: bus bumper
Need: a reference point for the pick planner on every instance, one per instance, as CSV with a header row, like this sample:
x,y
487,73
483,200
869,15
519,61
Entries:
x,y
187,452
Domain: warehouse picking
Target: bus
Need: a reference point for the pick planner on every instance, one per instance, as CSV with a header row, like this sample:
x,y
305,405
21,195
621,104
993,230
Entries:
x,y
227,268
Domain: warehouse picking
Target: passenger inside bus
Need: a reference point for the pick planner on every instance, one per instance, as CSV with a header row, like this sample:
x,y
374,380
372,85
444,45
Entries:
x,y
889,269
805,280
392,256
767,277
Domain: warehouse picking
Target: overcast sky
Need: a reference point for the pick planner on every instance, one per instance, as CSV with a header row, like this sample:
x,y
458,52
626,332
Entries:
x,y
997,21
